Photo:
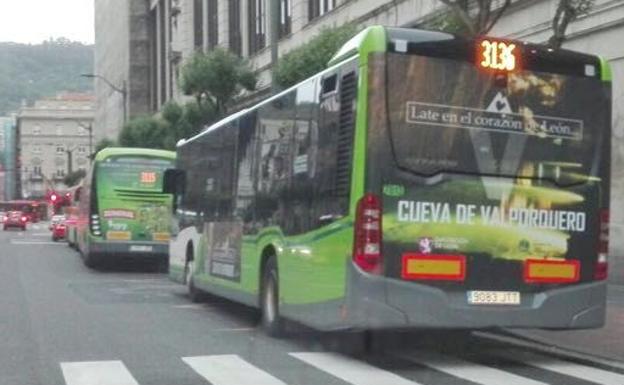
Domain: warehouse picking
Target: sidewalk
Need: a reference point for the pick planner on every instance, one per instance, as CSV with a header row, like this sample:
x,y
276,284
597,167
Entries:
x,y
607,342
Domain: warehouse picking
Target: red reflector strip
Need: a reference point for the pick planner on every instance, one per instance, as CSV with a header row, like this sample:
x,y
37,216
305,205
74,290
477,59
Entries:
x,y
550,271
440,267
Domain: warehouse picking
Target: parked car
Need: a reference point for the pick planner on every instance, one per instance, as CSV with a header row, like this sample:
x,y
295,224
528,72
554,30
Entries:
x,y
58,227
3,216
15,219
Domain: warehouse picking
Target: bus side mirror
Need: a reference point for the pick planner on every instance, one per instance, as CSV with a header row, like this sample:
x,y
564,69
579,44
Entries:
x,y
173,181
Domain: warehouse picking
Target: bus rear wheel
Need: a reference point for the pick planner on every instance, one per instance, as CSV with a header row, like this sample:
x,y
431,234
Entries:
x,y
271,321
193,293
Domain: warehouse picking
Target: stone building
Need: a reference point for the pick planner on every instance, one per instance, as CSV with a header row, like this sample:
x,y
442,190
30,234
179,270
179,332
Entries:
x,y
122,64
177,28
53,139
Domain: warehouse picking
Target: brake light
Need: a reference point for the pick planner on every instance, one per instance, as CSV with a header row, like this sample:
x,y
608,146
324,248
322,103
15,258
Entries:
x,y
367,237
24,219
602,265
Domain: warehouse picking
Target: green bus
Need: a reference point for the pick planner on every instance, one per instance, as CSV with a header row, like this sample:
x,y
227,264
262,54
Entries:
x,y
122,212
423,180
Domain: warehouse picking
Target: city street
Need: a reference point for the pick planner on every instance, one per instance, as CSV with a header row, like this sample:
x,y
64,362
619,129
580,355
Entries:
x,y
61,323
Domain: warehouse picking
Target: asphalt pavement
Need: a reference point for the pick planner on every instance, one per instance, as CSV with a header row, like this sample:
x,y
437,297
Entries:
x,y
61,323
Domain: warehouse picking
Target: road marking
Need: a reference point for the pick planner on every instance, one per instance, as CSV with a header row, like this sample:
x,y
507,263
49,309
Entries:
x,y
229,369
188,306
471,371
350,370
584,372
97,373
41,234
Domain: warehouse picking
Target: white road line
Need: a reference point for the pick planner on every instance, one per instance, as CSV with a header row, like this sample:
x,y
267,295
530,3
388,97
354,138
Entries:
x,y
230,369
584,372
41,234
350,370
471,371
97,373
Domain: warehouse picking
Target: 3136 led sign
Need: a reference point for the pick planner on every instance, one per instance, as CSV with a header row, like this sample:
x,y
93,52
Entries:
x,y
497,55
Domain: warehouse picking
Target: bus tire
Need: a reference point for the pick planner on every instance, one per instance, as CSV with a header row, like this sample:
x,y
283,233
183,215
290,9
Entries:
x,y
91,260
271,321
193,293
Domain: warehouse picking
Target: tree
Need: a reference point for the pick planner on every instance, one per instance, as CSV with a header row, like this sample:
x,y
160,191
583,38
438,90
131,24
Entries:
x,y
567,11
311,57
472,18
216,78
74,177
104,143
144,131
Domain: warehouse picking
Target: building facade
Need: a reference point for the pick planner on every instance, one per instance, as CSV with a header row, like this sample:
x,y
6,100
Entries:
x,y
122,64
53,140
8,128
178,28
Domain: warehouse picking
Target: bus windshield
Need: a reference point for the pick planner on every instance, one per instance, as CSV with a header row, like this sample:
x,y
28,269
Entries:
x,y
450,116
131,173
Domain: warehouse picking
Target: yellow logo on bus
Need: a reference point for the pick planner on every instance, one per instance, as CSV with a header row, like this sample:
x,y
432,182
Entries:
x,y
118,235
163,237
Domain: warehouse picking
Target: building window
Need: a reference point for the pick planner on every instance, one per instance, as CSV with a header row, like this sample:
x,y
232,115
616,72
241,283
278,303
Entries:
x,y
198,25
213,24
60,172
60,149
59,129
36,130
82,150
235,27
36,149
257,25
285,17
318,8
36,170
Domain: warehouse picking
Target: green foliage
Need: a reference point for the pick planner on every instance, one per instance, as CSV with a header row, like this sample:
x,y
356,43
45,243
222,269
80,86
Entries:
x,y
104,143
144,131
30,72
215,78
175,122
74,177
311,57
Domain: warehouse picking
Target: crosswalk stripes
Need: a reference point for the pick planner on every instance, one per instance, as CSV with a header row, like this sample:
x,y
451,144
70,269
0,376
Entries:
x,y
350,370
97,373
230,369
466,370
584,372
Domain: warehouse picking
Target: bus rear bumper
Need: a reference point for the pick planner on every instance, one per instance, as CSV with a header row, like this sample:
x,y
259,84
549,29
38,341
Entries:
x,y
131,250
382,303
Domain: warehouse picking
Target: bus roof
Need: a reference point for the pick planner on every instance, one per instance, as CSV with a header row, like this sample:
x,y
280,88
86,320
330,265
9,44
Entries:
x,y
117,151
377,39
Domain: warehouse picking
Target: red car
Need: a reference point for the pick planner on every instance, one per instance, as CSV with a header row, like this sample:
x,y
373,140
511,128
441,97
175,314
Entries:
x,y
15,219
58,227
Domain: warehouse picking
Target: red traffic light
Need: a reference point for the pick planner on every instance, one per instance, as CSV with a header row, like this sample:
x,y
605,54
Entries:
x,y
53,198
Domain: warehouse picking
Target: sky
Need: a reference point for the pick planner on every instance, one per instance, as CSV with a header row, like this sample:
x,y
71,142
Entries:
x,y
33,21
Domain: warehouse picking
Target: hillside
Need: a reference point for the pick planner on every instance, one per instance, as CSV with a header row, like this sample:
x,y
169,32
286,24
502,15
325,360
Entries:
x,y
31,71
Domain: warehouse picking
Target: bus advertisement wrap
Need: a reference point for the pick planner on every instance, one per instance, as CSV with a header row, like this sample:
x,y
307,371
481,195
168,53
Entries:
x,y
498,171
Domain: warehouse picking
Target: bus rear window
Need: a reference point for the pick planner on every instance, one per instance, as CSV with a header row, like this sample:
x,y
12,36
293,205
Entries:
x,y
449,116
131,173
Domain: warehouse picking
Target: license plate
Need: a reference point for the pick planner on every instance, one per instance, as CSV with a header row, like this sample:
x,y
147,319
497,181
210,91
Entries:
x,y
142,248
480,297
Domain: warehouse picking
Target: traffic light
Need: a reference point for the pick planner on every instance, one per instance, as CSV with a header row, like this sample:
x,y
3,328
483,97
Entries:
x,y
53,197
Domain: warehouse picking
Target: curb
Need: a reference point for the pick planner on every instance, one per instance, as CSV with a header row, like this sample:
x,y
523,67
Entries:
x,y
543,346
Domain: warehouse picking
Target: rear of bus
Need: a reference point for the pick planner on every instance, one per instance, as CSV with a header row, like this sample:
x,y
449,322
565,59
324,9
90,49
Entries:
x,y
486,187
129,214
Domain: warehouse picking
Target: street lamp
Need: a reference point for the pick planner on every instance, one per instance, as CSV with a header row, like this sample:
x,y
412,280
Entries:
x,y
123,90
